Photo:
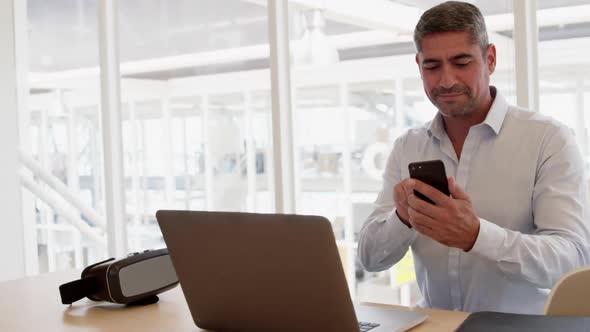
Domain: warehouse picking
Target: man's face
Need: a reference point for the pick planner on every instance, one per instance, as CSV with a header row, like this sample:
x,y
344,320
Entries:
x,y
454,72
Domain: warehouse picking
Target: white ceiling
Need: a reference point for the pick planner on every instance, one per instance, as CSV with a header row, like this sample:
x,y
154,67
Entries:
x,y
63,34
492,7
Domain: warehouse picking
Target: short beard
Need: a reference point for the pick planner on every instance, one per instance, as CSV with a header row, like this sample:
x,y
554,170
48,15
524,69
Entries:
x,y
455,110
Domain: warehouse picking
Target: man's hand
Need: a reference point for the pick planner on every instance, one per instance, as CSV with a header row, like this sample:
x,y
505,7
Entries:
x,y
451,221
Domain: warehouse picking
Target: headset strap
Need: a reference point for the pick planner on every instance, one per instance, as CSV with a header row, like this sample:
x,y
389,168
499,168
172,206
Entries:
x,y
78,289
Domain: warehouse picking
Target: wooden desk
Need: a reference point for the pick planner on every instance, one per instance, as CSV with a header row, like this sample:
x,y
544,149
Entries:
x,y
34,304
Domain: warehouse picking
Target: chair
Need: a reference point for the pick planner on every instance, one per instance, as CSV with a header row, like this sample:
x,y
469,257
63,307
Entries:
x,y
571,295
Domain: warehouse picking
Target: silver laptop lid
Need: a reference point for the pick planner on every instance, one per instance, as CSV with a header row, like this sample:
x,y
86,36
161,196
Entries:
x,y
260,272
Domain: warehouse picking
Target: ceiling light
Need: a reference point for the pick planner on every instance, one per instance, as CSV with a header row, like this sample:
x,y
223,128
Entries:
x,y
314,47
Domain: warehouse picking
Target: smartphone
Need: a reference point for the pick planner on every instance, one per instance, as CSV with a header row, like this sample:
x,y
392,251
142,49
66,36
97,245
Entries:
x,y
431,172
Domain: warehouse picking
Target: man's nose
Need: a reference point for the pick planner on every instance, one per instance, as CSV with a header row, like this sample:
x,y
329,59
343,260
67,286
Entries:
x,y
447,77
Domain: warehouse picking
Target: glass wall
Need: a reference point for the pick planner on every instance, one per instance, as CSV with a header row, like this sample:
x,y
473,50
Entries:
x,y
191,148
190,139
64,126
196,111
564,70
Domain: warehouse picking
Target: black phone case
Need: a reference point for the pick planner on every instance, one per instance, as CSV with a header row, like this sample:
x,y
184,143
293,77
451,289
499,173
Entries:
x,y
431,172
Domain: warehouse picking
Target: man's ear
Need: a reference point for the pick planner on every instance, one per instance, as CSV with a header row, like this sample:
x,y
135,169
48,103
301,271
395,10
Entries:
x,y
491,58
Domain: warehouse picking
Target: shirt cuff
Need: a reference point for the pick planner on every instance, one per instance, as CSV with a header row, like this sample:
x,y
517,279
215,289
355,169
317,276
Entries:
x,y
398,224
489,239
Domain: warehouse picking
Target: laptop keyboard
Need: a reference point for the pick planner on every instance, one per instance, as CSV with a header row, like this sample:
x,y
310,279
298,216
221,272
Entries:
x,y
364,326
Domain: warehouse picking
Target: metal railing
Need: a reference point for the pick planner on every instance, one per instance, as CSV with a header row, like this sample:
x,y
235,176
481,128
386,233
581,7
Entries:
x,y
59,194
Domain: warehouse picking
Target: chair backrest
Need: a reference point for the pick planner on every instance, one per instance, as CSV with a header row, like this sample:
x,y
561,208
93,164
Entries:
x,y
571,295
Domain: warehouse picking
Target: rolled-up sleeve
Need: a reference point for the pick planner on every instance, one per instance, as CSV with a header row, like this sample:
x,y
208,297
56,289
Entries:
x,y
384,238
560,210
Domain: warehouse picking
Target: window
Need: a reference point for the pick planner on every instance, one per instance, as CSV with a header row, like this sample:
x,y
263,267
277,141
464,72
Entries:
x,y
195,135
64,125
195,106
564,71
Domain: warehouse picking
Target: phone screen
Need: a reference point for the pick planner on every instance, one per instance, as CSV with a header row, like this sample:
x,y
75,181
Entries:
x,y
431,172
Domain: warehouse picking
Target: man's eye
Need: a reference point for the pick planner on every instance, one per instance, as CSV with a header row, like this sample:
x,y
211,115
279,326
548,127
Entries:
x,y
431,67
461,64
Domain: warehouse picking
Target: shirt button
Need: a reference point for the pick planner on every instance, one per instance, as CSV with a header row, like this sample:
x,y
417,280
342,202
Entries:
x,y
454,273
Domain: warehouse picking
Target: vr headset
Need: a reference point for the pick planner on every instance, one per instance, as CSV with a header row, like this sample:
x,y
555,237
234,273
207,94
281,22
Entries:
x,y
135,279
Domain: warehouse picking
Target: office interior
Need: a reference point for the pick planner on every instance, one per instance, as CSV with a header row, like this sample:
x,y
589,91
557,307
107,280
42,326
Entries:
x,y
113,110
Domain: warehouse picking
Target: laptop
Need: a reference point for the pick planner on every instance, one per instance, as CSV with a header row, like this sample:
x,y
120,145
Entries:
x,y
267,272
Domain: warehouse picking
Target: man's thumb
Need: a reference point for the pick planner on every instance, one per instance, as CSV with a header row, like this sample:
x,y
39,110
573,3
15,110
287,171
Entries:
x,y
456,190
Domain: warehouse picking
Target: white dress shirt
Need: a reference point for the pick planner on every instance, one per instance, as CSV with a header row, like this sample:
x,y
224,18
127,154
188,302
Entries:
x,y
526,179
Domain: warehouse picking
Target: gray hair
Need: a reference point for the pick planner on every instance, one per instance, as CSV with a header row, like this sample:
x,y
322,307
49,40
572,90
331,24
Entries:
x,y
453,16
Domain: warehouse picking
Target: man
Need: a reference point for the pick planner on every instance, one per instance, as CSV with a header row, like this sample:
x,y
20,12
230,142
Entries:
x,y
516,218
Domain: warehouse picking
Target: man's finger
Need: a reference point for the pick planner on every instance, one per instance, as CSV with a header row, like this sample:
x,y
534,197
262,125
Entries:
x,y
422,228
399,194
434,194
421,219
423,206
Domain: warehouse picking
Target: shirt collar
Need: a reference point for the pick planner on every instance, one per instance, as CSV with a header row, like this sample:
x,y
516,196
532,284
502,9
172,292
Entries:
x,y
494,119
497,113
